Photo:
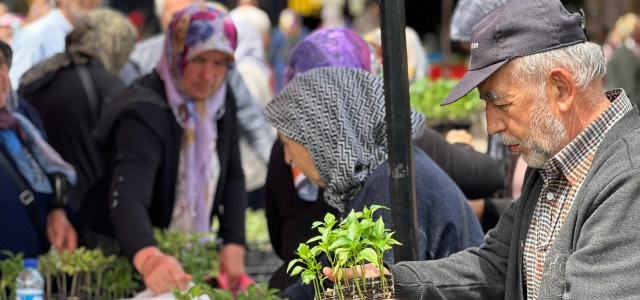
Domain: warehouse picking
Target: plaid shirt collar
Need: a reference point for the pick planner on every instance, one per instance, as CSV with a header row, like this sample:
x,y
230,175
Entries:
x,y
572,160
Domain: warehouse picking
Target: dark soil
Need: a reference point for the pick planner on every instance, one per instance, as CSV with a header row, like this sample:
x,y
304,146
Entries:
x,y
373,290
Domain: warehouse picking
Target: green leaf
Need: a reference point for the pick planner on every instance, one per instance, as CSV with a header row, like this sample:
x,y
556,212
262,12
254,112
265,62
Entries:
x,y
393,242
292,263
378,227
313,239
352,218
329,218
316,224
308,276
368,254
342,256
376,207
339,243
352,232
303,250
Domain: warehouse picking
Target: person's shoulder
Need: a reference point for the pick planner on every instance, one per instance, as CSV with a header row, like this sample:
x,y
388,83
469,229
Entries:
x,y
149,44
618,153
41,30
141,101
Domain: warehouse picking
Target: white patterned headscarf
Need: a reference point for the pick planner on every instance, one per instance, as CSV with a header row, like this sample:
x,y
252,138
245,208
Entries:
x,y
338,114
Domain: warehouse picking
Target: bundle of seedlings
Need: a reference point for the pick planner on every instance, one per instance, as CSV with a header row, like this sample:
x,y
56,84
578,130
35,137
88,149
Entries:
x,y
10,267
357,240
254,292
91,274
196,252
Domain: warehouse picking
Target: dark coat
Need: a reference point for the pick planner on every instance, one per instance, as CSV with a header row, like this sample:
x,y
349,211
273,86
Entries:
x,y
138,191
63,104
19,233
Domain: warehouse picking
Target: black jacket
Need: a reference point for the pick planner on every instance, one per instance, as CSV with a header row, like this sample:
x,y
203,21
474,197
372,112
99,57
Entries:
x,y
62,102
138,192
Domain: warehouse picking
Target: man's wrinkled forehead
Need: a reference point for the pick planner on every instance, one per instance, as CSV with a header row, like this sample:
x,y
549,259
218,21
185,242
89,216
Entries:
x,y
502,75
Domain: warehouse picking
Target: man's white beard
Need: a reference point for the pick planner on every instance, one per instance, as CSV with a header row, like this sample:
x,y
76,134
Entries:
x,y
547,129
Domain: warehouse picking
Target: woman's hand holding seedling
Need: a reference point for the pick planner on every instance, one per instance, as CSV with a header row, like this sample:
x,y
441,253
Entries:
x,y
160,272
60,232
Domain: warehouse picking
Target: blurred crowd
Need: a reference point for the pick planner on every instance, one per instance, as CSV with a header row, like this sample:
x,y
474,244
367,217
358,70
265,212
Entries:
x,y
105,135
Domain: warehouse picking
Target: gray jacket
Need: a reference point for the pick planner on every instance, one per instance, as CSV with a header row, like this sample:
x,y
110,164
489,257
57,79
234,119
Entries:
x,y
595,256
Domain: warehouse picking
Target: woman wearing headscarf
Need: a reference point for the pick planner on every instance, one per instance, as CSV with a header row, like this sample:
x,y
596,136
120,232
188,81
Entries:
x,y
291,200
332,124
293,206
69,88
33,181
176,161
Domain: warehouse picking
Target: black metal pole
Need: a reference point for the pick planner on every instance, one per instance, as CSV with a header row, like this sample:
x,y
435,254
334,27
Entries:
x,y
396,90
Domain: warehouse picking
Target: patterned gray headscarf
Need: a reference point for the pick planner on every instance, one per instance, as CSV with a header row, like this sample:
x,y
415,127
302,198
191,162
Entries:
x,y
338,114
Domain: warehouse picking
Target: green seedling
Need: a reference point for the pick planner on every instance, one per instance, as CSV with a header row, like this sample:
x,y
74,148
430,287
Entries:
x,y
356,241
426,96
10,267
254,292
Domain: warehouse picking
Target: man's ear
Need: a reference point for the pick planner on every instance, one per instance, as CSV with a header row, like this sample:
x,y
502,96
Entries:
x,y
561,89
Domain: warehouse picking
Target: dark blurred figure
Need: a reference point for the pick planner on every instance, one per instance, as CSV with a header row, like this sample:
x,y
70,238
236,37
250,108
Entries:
x,y
284,37
69,88
33,180
623,66
368,20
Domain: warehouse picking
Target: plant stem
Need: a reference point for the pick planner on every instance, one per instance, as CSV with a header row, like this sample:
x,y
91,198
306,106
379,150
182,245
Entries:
x,y
59,283
337,285
99,282
78,291
315,290
355,280
49,283
74,281
364,280
64,284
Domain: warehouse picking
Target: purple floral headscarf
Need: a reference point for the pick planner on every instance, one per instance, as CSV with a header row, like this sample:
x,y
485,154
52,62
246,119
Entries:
x,y
199,28
337,47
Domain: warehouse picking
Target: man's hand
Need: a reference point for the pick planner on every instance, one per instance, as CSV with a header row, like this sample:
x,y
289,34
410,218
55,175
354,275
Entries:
x,y
60,232
477,206
459,136
370,270
160,272
232,262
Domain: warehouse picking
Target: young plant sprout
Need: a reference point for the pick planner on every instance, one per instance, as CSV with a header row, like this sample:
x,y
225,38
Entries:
x,y
254,292
357,240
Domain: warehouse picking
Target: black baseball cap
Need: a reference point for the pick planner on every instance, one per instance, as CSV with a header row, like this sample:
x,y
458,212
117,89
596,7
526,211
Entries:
x,y
518,28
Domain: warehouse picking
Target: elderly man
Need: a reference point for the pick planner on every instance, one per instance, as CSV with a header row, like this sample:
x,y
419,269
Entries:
x,y
45,37
573,232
